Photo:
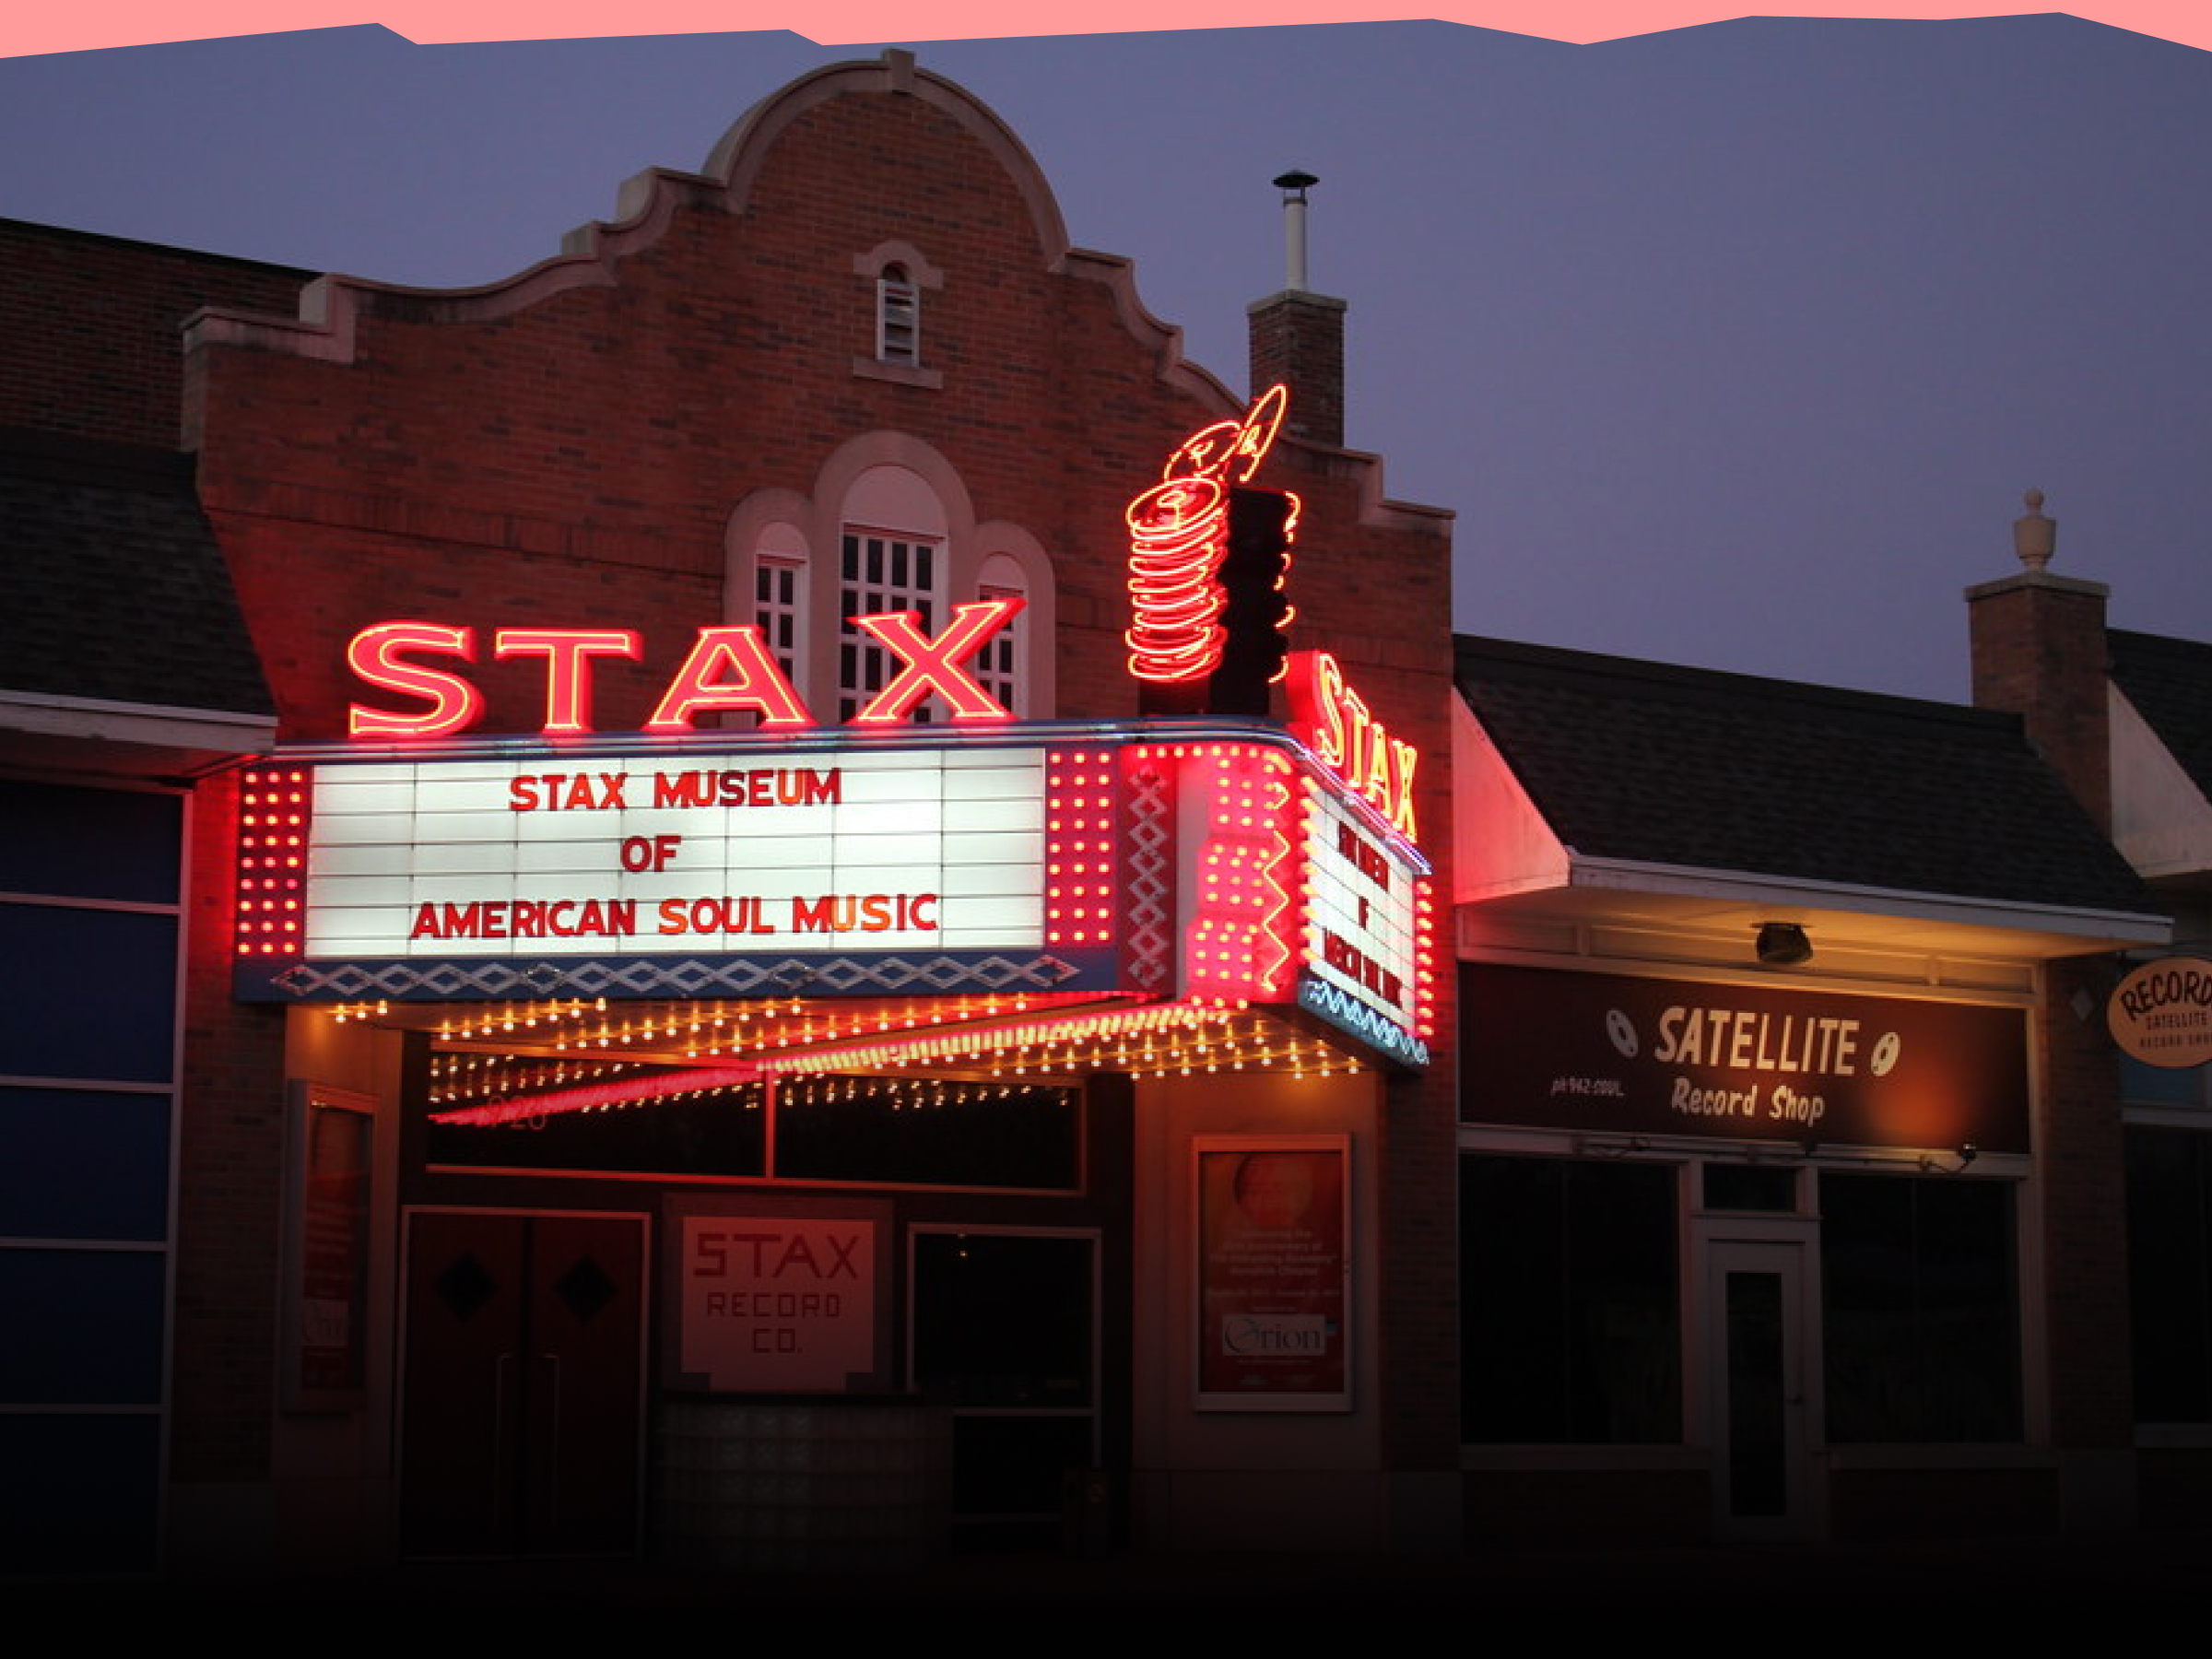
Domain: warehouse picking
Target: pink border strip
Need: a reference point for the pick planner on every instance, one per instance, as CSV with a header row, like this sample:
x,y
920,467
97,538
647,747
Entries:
x,y
34,30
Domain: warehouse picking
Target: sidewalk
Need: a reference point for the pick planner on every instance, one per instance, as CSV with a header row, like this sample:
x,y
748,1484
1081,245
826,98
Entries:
x,y
2155,1569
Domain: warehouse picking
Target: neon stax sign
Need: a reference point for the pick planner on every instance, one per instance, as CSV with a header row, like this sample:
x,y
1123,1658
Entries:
x,y
1334,719
729,667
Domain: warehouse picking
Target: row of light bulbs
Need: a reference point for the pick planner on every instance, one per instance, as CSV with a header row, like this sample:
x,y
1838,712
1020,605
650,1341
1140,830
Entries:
x,y
1190,1039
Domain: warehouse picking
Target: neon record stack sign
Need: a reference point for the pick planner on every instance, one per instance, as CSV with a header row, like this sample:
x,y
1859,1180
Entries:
x,y
1178,538
1364,961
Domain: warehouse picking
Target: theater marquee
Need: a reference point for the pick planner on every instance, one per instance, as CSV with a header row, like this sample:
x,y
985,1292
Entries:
x,y
717,852
746,871
1222,864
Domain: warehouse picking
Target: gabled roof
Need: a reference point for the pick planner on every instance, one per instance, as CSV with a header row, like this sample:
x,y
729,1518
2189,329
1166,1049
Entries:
x,y
112,589
1657,765
2169,683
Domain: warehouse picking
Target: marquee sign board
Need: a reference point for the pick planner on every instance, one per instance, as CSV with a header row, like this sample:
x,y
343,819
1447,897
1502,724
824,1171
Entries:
x,y
856,869
1218,862
1364,922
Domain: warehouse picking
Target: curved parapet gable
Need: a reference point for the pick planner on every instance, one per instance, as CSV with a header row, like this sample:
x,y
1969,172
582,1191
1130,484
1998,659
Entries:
x,y
645,206
1117,276
648,205
736,159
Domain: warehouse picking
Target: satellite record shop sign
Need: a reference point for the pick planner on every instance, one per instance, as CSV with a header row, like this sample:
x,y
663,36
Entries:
x,y
1653,1056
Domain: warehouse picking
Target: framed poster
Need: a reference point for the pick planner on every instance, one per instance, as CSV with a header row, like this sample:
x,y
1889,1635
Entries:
x,y
330,1133
1274,1268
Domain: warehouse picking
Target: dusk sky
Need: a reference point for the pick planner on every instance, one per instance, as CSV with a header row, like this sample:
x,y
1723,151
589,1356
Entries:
x,y
1731,346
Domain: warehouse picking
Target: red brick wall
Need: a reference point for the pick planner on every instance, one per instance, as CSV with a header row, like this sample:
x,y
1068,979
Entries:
x,y
1298,340
576,462
2081,1157
2039,651
93,327
230,1180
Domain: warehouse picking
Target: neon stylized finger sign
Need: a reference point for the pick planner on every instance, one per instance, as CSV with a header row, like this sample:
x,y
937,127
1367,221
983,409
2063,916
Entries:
x,y
1232,449
1178,533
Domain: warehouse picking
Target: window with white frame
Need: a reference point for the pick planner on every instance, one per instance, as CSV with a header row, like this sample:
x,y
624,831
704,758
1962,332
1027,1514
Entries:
x,y
779,608
998,664
1570,1323
904,541
881,570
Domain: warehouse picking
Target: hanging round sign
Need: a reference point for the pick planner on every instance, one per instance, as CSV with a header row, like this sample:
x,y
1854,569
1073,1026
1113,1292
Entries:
x,y
2161,1013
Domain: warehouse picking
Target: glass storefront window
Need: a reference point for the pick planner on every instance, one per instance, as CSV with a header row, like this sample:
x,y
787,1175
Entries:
x,y
893,1131
1920,1315
2169,1273
1570,1328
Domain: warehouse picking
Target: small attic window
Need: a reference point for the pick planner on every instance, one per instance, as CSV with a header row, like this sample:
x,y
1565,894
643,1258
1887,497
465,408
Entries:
x,y
901,273
897,318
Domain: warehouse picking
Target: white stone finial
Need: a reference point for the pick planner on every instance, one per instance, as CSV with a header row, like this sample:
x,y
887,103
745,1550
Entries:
x,y
2034,537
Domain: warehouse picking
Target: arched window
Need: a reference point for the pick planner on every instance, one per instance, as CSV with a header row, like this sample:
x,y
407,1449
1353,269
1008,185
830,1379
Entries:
x,y
1002,666
889,525
780,596
891,558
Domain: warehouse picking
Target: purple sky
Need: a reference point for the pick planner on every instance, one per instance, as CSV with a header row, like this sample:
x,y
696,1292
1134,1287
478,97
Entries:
x,y
1733,346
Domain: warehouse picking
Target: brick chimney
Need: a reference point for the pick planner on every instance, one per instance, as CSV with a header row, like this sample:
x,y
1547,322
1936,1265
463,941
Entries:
x,y
2039,651
1297,336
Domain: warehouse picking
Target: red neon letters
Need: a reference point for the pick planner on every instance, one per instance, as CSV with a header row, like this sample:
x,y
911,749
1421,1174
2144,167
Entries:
x,y
728,668
374,655
756,683
1334,723
935,664
1178,533
568,680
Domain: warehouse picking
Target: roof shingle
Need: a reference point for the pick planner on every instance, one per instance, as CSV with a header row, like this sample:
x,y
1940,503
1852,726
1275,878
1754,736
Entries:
x,y
111,585
2169,683
1682,766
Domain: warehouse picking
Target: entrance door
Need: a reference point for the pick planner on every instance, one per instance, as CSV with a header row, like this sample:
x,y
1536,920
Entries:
x,y
1765,1476
522,1385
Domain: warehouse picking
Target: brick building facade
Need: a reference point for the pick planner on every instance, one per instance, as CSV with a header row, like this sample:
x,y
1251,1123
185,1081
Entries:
x,y
852,365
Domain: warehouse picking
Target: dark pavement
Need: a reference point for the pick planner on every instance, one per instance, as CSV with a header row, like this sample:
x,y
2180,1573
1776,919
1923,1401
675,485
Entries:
x,y
2149,1569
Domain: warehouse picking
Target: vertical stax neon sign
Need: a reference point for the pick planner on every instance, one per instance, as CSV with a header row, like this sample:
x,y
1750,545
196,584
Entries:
x,y
1178,537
